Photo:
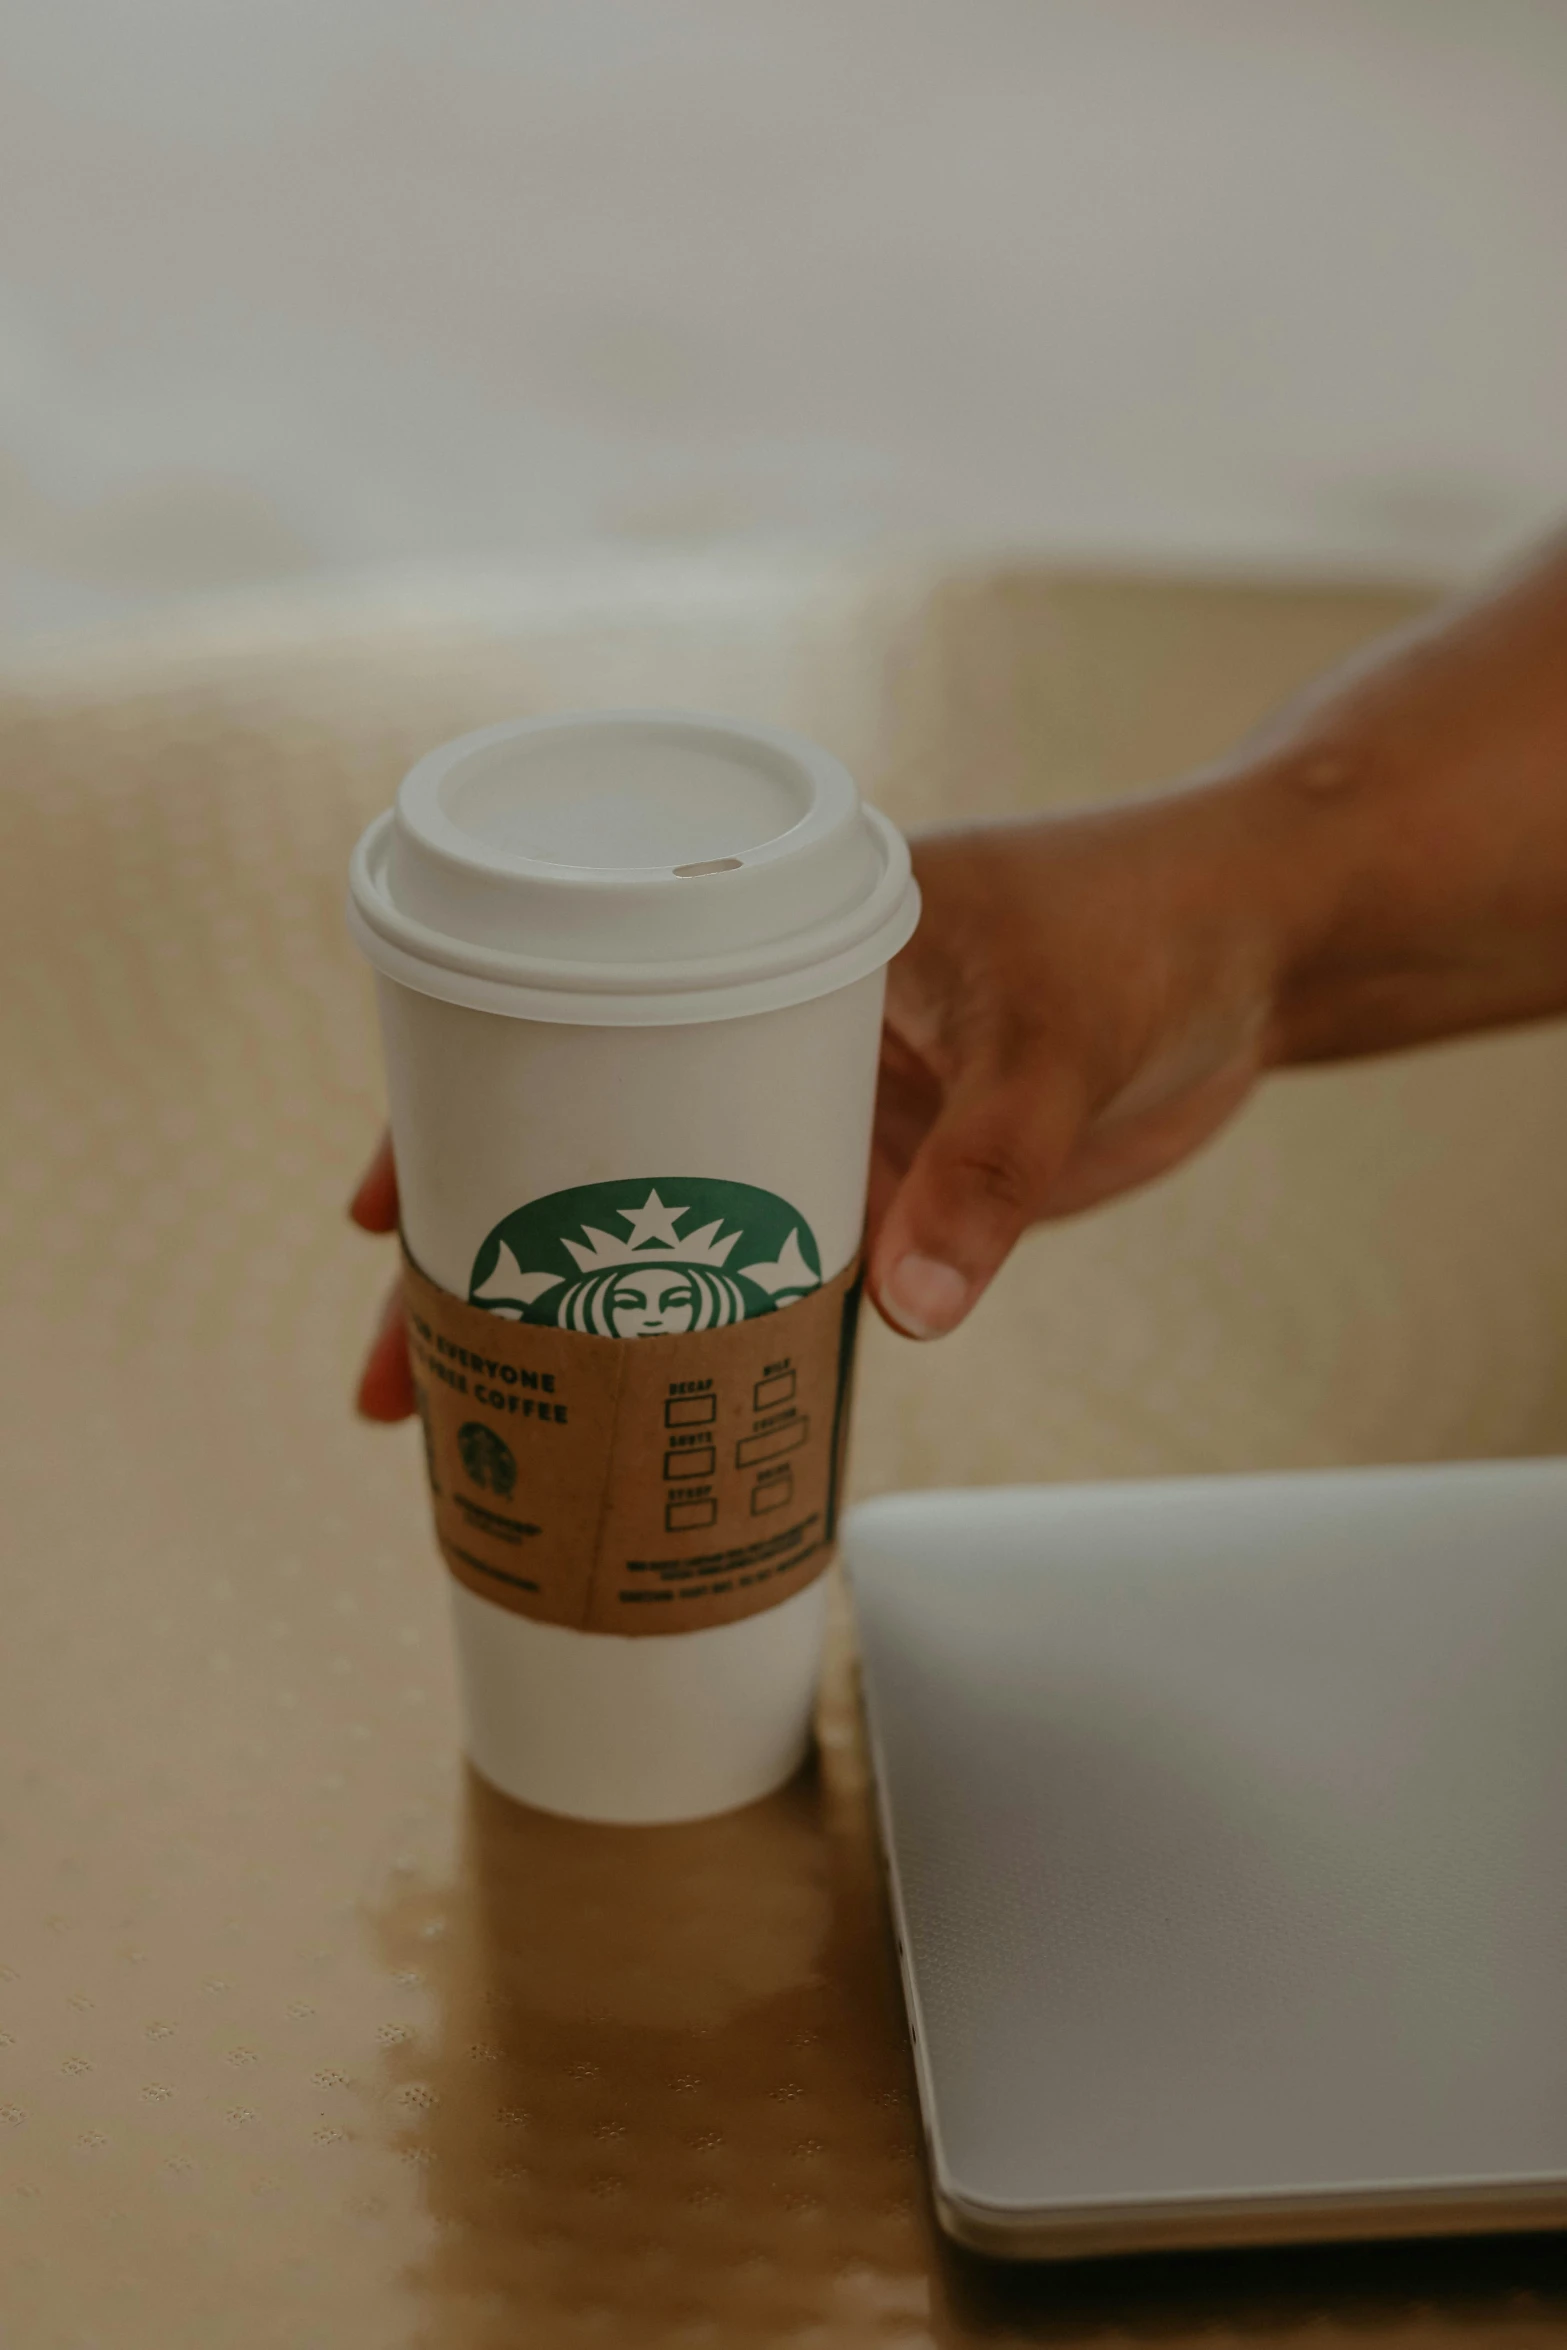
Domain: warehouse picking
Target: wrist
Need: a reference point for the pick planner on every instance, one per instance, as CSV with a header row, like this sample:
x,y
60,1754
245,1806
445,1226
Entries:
x,y
1409,887
1262,863
1321,866
1393,849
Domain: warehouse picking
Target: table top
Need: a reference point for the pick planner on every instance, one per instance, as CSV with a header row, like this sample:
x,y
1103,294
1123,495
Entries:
x,y
307,2038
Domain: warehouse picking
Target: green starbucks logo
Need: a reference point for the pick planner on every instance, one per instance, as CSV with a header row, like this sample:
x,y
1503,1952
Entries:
x,y
646,1258
488,1458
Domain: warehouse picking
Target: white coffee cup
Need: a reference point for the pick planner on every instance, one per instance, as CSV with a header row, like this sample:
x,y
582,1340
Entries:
x,y
610,946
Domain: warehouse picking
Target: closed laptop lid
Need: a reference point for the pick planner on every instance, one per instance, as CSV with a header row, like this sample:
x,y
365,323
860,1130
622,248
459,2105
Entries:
x,y
1226,1824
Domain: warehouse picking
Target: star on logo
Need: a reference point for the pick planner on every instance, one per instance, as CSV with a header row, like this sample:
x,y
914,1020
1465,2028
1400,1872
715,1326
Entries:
x,y
652,1221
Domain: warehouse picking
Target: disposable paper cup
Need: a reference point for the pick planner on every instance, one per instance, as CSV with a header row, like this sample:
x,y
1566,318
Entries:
x,y
642,949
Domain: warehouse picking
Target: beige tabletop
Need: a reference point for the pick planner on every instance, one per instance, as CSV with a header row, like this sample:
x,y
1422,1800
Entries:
x,y
309,2042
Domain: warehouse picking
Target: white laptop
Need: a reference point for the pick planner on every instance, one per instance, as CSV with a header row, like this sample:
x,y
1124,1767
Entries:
x,y
1226,1827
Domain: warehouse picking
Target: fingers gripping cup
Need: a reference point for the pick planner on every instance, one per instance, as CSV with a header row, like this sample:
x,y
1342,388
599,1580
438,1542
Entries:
x,y
630,973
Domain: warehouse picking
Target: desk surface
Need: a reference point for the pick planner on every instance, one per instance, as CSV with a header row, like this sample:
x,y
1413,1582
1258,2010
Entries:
x,y
305,2038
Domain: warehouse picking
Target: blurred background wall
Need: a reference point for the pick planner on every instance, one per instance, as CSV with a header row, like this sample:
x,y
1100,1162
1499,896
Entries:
x,y
302,287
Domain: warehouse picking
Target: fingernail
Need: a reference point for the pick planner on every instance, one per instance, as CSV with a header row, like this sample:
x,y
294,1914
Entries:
x,y
924,1297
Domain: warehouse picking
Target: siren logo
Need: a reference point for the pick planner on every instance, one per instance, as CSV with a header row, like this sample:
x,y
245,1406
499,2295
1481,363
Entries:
x,y
647,1258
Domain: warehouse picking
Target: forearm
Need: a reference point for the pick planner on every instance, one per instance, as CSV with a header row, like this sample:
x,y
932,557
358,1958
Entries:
x,y
1405,827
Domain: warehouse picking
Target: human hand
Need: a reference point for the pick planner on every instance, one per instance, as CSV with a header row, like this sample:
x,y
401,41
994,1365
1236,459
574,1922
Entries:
x,y
1086,1000
386,1383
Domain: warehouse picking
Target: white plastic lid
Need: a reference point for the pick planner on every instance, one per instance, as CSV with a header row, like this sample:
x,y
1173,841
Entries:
x,y
630,868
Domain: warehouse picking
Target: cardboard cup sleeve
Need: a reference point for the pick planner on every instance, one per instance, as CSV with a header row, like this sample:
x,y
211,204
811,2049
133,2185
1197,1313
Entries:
x,y
641,1486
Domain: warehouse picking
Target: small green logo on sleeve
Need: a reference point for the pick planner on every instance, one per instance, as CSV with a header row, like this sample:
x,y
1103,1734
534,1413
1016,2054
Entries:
x,y
488,1458
646,1258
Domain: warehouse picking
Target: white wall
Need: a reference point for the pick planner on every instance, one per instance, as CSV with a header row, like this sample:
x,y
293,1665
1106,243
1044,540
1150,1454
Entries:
x,y
298,285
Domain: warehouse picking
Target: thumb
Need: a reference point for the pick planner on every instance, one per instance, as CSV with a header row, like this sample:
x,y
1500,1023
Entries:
x,y
979,1179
